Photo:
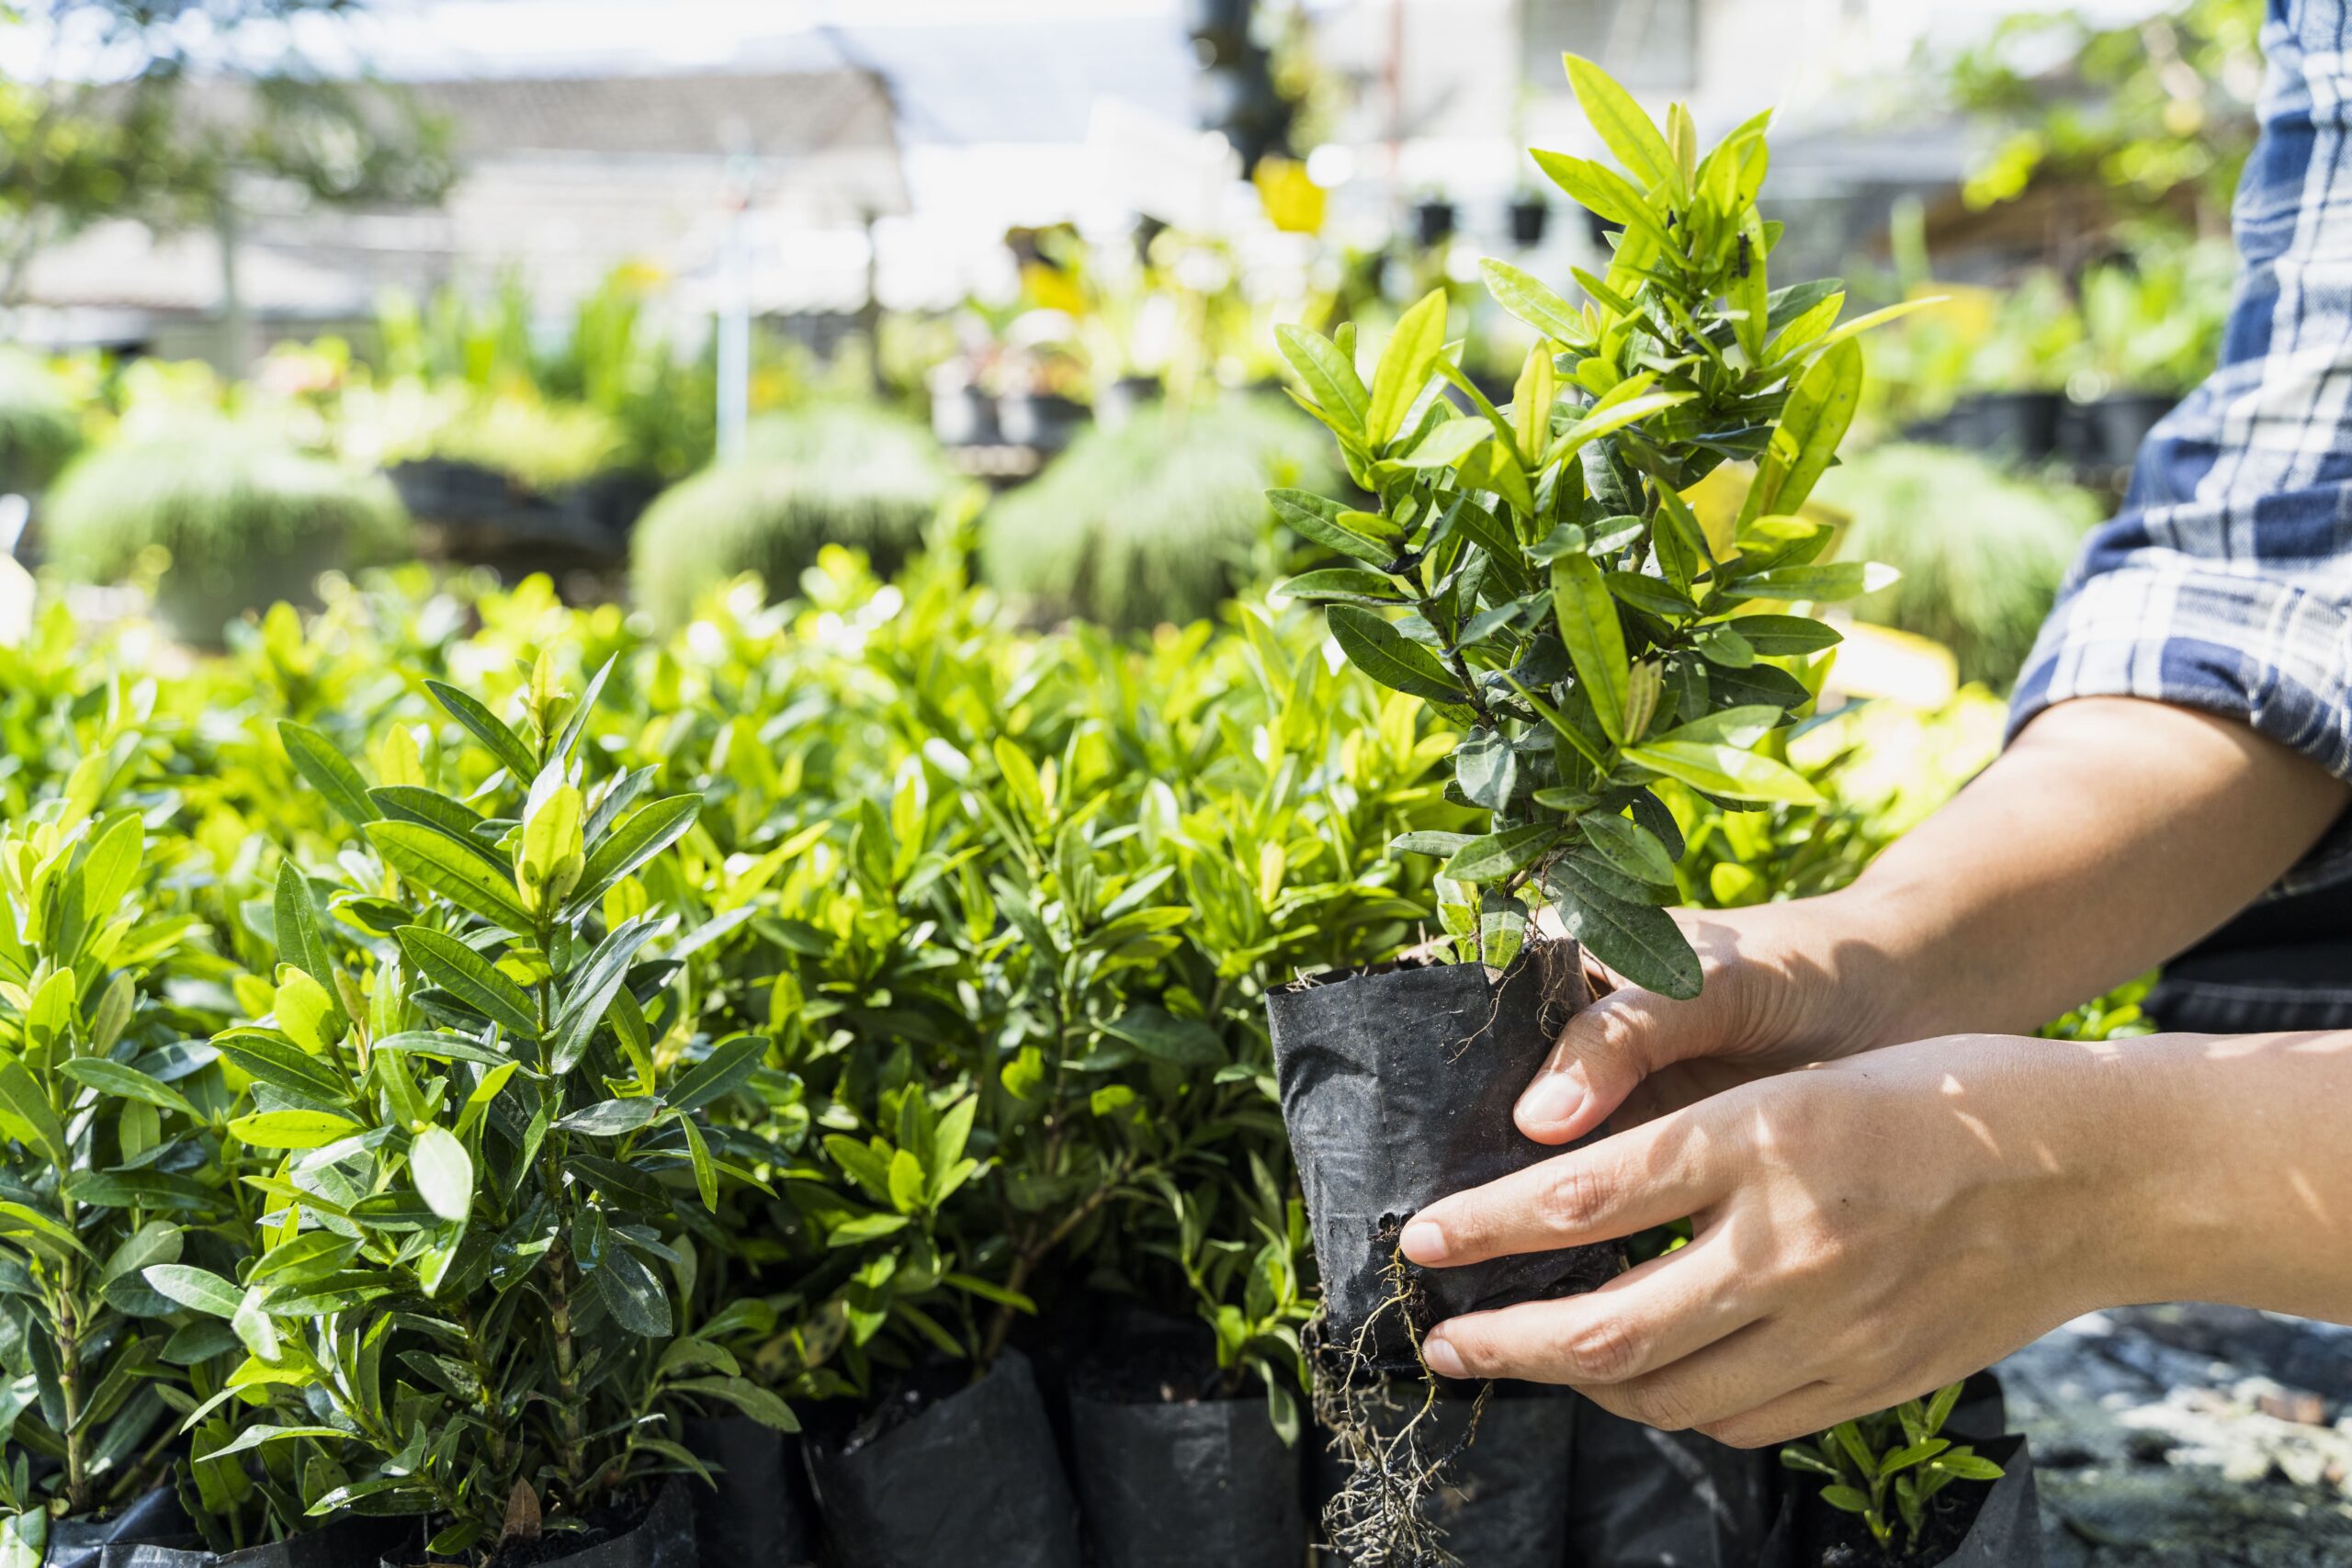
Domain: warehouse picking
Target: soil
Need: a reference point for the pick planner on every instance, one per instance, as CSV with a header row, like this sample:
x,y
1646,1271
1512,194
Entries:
x,y
1170,1365
908,1397
602,1525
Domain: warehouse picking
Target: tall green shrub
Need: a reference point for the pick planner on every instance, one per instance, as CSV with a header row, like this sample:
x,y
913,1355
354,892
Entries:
x,y
38,430
1161,519
843,475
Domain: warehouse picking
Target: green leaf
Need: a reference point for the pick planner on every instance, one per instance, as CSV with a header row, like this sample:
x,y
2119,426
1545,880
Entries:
x,y
1319,521
1596,642
1601,190
1628,846
1740,726
1628,133
1427,843
1330,375
728,1067
468,976
1967,1465
612,1118
444,1173
24,1220
488,729
408,803
281,1064
706,1173
256,1436
1534,302
426,857
1781,637
1405,365
22,1100
126,1083
329,772
1447,443
1343,585
1497,855
591,990
1590,875
1812,424
749,1397
1486,767
1640,941
1726,771
1846,1499
1823,583
1376,647
1651,594
1163,1037
642,834
632,1294
193,1287
291,1129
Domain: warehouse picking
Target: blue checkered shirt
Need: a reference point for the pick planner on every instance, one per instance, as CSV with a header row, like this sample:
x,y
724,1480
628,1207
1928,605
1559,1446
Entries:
x,y
2227,581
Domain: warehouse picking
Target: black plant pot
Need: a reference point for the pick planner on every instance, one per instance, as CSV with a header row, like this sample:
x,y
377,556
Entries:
x,y
81,1543
1530,216
756,1512
2016,424
964,416
347,1542
1397,1089
1972,1525
973,1480
1642,1498
1123,399
663,1537
1170,1486
445,490
1042,419
1432,222
1501,1500
2120,423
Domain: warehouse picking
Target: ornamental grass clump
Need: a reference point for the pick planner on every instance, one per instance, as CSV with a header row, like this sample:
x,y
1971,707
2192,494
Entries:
x,y
462,1300
1535,573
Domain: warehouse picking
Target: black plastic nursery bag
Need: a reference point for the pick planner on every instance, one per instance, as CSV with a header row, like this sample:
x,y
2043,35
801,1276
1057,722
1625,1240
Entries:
x,y
1501,1498
975,1481
347,1542
756,1512
154,1515
664,1538
2006,1531
1642,1498
1397,1089
1178,1485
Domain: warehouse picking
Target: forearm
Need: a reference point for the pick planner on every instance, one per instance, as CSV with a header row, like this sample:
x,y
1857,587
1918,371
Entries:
x,y
2110,836
2243,1161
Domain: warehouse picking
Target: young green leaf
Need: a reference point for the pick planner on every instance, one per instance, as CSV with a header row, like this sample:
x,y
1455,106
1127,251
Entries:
x,y
1596,642
1376,647
1405,365
329,770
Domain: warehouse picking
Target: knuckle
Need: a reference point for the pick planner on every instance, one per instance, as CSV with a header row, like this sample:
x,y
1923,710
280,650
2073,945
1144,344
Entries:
x,y
1739,1432
1606,1350
1572,1196
1660,1406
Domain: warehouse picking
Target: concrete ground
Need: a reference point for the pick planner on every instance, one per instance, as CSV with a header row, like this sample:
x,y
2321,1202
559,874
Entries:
x,y
2189,1437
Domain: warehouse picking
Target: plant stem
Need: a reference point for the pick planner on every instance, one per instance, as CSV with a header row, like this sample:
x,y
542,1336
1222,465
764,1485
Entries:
x,y
567,1376
1026,1263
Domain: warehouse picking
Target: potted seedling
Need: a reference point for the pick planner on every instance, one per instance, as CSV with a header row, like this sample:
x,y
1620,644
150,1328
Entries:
x,y
1533,572
463,1309
106,1171
1893,1489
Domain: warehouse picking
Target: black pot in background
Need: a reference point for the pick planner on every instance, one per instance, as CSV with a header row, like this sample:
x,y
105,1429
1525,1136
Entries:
x,y
347,1542
1530,216
1397,1089
154,1515
1503,1501
1123,399
964,416
1638,1497
973,1480
2002,1523
1178,1485
2118,425
756,1512
443,490
1432,222
664,1538
1043,420
2023,425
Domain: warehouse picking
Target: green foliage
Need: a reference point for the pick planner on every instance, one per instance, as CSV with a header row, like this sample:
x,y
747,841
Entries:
x,y
1982,550
1886,1468
2152,322
1534,570
544,446
232,518
1159,519
40,429
843,475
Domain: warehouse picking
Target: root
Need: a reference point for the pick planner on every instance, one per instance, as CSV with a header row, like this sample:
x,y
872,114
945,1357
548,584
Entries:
x,y
1385,1434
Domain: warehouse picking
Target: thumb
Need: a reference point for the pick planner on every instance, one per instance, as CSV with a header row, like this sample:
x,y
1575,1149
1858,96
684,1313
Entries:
x,y
1602,1056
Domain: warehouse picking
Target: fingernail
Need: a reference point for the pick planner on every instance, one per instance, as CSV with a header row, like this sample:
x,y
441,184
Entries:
x,y
1442,1358
1423,1242
1553,1098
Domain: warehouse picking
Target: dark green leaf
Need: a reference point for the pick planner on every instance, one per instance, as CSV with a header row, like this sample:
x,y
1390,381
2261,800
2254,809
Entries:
x,y
1376,647
468,976
488,729
329,770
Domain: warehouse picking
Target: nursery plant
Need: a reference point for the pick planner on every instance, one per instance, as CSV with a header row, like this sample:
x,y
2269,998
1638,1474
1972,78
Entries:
x,y
1533,572
1886,1471
463,1300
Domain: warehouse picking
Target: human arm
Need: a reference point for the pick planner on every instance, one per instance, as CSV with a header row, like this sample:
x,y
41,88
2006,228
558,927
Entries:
x,y
1874,1227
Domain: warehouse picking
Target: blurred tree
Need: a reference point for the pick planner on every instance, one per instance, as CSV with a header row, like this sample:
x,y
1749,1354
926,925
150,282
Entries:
x,y
2158,113
154,109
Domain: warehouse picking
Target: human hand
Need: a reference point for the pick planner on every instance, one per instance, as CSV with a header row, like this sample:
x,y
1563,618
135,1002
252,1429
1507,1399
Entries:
x,y
1864,1231
1786,985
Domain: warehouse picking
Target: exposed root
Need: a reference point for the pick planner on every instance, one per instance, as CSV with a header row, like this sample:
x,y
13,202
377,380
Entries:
x,y
1385,1434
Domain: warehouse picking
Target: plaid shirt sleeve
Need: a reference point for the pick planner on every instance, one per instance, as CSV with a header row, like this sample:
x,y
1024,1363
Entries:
x,y
2227,581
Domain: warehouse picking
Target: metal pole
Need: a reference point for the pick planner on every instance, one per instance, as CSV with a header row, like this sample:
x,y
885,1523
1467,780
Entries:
x,y
735,315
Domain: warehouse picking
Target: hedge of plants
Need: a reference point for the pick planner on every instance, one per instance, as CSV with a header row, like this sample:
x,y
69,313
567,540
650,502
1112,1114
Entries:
x,y
468,1067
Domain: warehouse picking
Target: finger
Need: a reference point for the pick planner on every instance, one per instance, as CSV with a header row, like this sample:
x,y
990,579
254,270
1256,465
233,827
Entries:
x,y
1609,1047
1647,1318
1800,1412
1660,1171
1753,1367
